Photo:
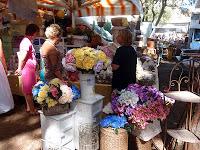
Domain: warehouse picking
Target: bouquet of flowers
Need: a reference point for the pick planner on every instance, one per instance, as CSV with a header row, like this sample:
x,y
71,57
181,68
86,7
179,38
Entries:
x,y
140,104
86,60
54,93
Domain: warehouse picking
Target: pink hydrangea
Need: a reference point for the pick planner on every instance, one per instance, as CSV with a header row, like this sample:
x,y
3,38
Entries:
x,y
150,105
69,58
109,53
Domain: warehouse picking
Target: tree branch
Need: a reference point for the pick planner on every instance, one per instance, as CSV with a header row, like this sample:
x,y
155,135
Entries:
x,y
163,5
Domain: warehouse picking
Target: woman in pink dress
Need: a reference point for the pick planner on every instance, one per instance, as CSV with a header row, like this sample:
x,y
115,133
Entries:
x,y
27,65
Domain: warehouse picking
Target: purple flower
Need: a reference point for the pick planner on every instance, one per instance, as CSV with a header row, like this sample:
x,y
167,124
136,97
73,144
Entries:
x,y
149,107
98,67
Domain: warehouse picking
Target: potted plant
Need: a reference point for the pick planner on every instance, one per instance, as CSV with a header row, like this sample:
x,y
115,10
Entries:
x,y
113,135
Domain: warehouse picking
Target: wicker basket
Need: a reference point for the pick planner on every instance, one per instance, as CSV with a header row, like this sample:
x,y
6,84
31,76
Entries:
x,y
56,110
109,140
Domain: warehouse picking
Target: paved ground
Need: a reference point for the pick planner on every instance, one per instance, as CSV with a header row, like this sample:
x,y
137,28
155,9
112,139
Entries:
x,y
21,131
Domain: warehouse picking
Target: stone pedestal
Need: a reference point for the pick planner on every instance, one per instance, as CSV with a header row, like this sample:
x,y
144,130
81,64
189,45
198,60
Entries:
x,y
87,123
58,131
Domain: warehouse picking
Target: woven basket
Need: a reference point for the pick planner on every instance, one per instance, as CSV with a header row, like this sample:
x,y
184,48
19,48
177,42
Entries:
x,y
109,140
56,110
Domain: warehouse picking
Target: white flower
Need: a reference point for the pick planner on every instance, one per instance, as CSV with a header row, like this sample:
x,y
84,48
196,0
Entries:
x,y
65,89
108,109
128,98
149,64
68,66
38,83
65,99
139,69
66,93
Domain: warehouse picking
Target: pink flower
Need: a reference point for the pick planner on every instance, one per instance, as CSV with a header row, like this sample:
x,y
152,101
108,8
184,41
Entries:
x,y
109,53
69,58
54,91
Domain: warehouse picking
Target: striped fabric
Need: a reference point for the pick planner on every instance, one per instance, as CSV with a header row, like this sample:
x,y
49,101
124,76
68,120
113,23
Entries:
x,y
109,7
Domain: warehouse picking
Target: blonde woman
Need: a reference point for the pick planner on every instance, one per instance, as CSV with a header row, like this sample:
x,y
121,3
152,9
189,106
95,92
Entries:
x,y
124,61
51,66
6,99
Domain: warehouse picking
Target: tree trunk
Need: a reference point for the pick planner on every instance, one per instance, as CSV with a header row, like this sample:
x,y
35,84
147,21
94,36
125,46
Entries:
x,y
153,14
164,4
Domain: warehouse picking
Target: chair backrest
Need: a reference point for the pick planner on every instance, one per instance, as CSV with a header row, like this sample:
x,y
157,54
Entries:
x,y
180,76
185,75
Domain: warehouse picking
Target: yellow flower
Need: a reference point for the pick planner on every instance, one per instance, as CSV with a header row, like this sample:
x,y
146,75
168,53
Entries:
x,y
55,82
42,94
45,88
78,53
101,56
88,63
40,100
79,64
107,62
51,102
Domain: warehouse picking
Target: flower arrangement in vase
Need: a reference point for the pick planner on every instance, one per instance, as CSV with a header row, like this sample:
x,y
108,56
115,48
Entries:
x,y
87,61
55,96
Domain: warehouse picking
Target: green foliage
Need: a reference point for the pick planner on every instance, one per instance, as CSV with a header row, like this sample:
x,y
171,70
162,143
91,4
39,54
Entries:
x,y
166,15
116,131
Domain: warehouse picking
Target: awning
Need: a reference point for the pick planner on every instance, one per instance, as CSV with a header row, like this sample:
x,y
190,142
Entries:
x,y
111,8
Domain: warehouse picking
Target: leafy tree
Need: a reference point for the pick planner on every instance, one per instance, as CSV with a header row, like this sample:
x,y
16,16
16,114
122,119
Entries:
x,y
158,10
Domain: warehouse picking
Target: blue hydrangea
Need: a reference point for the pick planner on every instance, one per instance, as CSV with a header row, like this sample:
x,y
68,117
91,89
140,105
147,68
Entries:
x,y
35,92
37,87
76,92
113,121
